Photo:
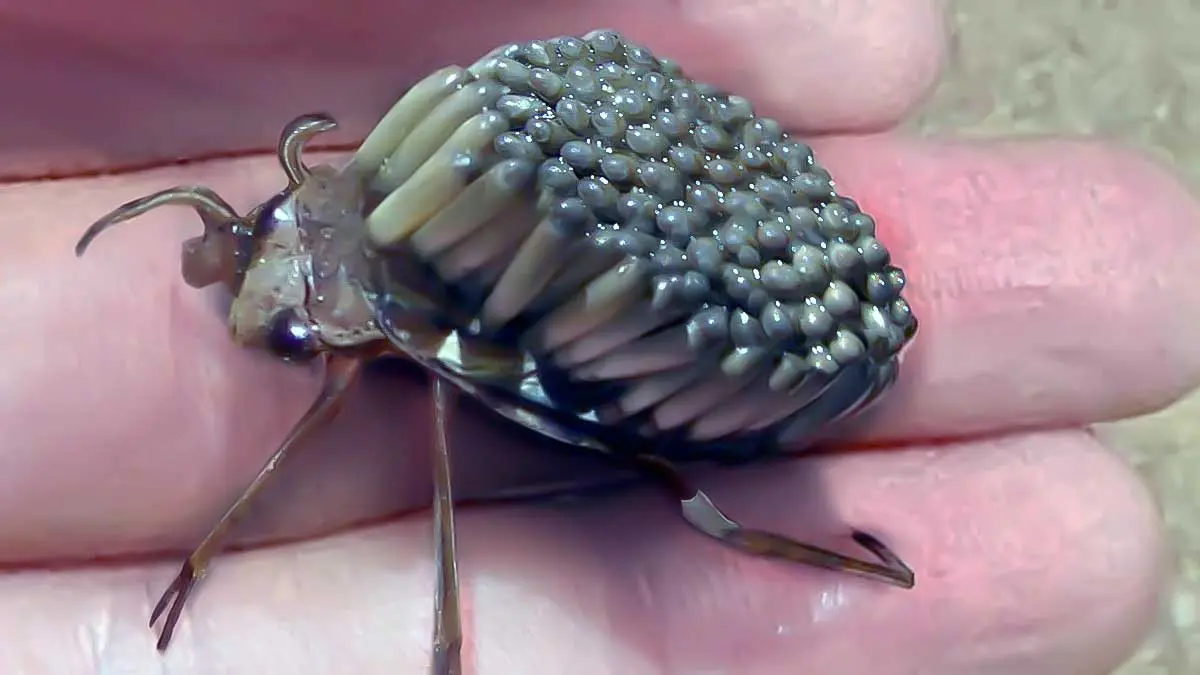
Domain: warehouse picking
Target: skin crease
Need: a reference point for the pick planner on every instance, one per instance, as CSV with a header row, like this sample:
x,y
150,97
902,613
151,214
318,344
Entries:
x,y
1037,550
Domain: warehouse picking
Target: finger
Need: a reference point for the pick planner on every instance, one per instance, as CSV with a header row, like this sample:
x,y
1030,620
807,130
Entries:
x,y
221,75
1007,536
168,420
1043,298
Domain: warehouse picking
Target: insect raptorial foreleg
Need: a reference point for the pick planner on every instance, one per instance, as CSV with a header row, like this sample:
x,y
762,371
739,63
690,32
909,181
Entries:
x,y
447,610
700,512
340,373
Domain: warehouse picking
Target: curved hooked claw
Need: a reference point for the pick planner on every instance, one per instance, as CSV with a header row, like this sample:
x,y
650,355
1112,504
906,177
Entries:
x,y
213,210
222,253
206,259
295,136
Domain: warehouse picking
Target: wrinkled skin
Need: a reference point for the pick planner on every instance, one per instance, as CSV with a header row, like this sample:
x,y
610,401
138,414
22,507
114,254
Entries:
x,y
1054,280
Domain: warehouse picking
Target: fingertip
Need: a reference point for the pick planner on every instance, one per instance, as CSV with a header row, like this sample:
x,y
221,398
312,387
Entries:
x,y
862,65
1131,554
1006,537
1052,278
1170,210
814,64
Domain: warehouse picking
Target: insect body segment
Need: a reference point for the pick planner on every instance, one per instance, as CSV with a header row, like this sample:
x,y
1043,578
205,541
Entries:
x,y
595,246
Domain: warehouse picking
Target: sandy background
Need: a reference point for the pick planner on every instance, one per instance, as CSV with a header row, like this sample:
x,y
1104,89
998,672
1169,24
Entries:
x,y
1129,70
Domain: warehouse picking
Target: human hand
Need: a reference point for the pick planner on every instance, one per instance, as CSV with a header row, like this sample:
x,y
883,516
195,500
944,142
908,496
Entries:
x,y
1052,279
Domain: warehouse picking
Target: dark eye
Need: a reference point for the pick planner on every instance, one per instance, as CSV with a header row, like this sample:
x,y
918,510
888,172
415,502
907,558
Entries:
x,y
290,337
266,221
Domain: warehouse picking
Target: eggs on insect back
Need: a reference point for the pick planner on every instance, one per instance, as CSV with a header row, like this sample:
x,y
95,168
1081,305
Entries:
x,y
578,226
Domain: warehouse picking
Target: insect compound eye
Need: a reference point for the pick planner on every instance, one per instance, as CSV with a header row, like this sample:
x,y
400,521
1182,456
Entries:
x,y
266,220
290,337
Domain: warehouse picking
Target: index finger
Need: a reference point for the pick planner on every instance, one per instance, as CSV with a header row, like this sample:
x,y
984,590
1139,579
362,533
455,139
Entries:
x,y
161,82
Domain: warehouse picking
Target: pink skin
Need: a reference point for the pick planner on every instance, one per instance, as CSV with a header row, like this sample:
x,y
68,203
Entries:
x,y
1054,281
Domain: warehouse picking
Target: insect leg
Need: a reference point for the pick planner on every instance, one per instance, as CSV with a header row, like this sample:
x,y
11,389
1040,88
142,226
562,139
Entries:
x,y
703,515
340,373
447,612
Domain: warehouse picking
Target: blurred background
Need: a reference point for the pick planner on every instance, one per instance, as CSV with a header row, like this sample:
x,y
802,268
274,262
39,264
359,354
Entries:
x,y
1127,70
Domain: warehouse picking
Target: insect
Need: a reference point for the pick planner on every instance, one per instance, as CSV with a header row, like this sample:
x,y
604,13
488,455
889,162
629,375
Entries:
x,y
592,244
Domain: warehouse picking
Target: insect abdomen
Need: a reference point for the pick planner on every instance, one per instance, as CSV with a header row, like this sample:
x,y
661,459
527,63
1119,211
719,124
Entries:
x,y
678,268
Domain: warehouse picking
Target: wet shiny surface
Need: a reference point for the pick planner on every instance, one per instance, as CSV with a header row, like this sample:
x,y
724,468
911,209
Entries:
x,y
753,298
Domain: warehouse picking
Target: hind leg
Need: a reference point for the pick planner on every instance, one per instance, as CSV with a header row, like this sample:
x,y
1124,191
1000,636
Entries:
x,y
702,514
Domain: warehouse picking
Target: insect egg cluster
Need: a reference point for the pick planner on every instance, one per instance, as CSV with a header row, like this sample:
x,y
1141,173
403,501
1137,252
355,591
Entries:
x,y
658,231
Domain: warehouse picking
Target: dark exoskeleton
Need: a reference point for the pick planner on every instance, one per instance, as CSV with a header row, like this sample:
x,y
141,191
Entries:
x,y
591,244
